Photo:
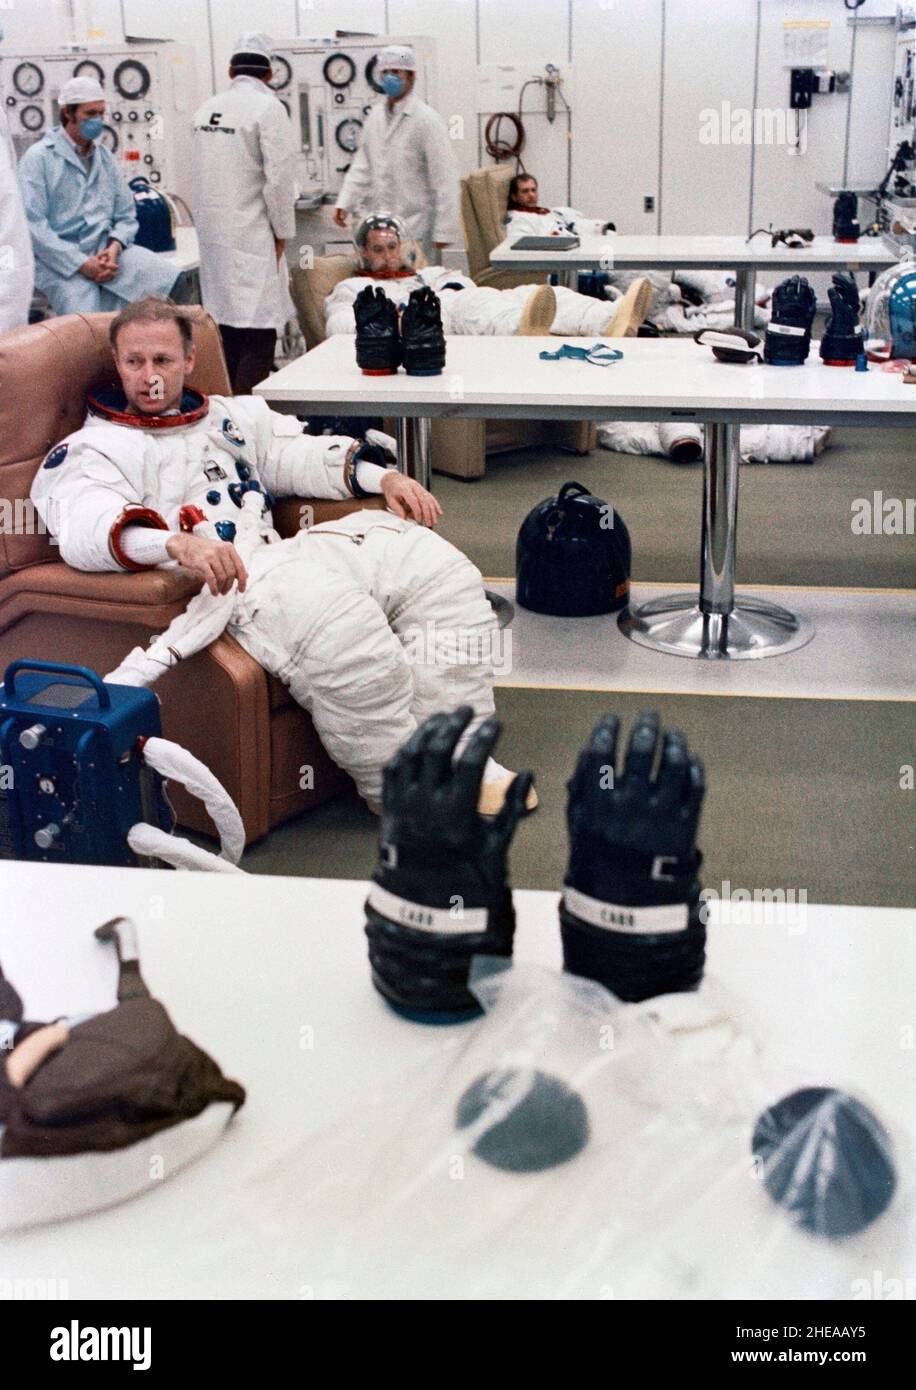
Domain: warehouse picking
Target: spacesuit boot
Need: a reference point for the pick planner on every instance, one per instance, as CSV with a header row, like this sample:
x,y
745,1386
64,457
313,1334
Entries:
x,y
423,338
683,443
378,342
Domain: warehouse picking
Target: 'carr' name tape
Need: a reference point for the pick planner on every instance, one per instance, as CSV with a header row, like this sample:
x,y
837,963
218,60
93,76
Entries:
x,y
637,920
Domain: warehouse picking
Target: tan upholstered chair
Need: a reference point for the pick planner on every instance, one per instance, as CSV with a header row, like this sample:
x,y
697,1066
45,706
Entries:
x,y
459,447
484,200
220,703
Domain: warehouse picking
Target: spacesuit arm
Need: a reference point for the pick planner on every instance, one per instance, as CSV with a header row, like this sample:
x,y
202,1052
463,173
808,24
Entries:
x,y
338,308
293,464
581,225
443,180
278,151
86,503
59,256
124,223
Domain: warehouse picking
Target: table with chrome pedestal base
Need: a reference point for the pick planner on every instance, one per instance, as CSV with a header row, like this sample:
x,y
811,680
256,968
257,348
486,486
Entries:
x,y
716,625
659,379
690,252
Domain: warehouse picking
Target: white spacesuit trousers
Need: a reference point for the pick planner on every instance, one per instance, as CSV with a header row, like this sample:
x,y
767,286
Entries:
x,y
374,624
485,310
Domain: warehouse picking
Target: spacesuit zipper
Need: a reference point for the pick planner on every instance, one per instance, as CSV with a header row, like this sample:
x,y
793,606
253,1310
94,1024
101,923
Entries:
x,y
356,537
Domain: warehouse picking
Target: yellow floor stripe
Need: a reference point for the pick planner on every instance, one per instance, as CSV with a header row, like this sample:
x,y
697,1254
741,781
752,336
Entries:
x,y
743,588
726,694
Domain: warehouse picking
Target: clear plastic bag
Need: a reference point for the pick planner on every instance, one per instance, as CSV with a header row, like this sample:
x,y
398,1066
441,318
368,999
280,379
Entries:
x,y
571,1147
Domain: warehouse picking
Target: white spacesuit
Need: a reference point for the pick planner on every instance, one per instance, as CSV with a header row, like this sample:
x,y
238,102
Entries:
x,y
469,308
672,312
333,612
683,442
551,222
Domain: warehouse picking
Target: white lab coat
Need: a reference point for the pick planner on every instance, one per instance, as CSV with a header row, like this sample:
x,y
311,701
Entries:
x,y
74,207
244,163
405,165
17,268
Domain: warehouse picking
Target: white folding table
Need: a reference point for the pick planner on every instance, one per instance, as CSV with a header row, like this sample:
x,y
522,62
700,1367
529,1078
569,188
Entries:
x,y
658,379
735,253
270,975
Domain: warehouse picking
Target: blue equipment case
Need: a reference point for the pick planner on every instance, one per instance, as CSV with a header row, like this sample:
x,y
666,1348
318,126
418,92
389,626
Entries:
x,y
72,775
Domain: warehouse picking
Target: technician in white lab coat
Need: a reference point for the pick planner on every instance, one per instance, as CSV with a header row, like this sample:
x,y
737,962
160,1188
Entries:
x,y
17,267
244,158
405,161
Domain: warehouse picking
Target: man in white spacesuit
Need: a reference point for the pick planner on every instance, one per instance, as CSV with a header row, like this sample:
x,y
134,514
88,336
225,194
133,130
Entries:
x,y
466,307
525,218
160,475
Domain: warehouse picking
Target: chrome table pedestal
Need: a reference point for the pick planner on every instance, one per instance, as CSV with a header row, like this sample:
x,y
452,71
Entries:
x,y
714,625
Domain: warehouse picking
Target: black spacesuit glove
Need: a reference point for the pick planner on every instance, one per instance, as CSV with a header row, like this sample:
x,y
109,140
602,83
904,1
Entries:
x,y
843,338
440,893
629,914
788,335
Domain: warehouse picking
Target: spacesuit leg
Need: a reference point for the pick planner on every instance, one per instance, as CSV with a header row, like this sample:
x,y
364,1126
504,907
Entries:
x,y
485,310
581,315
630,437
434,599
316,627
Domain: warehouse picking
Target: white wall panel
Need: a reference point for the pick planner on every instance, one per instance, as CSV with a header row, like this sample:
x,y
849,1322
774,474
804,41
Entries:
x,y
452,24
322,18
784,184
185,21
617,85
871,95
709,66
514,31
36,23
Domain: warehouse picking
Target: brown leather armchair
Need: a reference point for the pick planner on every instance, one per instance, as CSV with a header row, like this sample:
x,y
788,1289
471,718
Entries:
x,y
220,703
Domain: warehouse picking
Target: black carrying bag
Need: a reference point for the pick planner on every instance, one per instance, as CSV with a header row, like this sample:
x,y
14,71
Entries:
x,y
572,557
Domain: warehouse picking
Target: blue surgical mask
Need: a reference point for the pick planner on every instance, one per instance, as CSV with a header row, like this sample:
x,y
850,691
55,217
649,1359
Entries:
x,y
393,85
92,127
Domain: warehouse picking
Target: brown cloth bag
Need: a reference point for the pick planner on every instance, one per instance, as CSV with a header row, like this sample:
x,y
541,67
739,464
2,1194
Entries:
x,y
117,1079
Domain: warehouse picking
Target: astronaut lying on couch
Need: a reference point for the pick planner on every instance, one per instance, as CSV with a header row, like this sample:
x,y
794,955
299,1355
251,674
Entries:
x,y
160,475
466,308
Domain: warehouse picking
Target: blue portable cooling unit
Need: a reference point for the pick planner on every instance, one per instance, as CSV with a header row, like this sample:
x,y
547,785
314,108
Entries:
x,y
72,775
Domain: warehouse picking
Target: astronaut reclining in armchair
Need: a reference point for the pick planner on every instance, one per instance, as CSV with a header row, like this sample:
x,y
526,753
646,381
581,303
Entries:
x,y
160,475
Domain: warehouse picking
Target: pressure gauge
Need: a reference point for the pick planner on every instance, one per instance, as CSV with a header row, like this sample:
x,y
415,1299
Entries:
x,y
32,117
371,77
282,72
347,134
88,68
339,70
131,79
109,138
28,79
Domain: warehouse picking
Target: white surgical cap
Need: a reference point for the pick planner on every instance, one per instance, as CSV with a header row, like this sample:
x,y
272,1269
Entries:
x,y
253,43
79,90
397,55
